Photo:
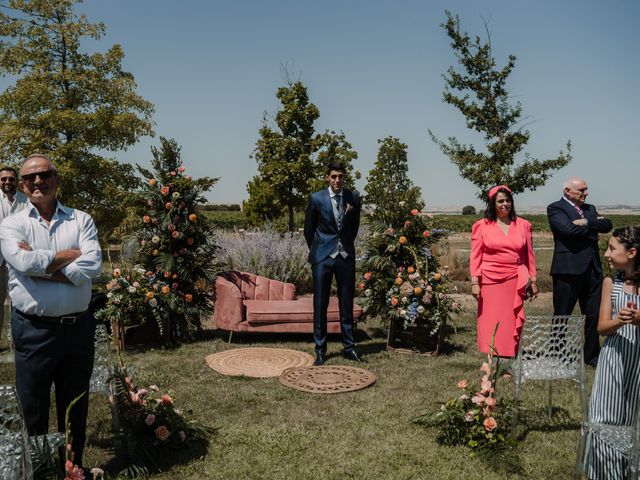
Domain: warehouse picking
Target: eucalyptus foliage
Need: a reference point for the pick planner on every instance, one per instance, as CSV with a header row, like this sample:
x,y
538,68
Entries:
x,y
70,104
479,92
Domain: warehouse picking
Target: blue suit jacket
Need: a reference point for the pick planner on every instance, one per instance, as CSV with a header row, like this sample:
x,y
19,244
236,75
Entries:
x,y
576,247
321,230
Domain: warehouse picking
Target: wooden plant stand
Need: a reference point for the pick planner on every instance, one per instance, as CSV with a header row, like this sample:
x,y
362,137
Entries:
x,y
417,339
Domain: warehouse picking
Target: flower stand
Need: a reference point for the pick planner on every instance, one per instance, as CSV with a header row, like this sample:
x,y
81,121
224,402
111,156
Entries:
x,y
414,339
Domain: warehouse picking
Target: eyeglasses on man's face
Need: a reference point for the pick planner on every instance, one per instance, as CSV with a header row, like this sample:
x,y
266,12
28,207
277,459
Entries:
x,y
44,176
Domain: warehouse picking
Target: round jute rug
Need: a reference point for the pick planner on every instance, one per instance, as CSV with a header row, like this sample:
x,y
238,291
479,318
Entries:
x,y
327,379
258,362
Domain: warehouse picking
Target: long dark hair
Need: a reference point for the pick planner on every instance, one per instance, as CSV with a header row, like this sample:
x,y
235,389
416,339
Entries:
x,y
491,214
629,237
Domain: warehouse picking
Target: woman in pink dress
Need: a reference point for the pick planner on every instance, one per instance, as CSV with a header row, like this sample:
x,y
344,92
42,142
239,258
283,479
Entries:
x,y
503,272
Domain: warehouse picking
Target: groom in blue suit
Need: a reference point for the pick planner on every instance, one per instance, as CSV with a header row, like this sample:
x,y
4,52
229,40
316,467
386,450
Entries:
x,y
331,224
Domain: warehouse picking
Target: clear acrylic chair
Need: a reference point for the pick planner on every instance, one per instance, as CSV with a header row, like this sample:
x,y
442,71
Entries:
x,y
551,348
624,439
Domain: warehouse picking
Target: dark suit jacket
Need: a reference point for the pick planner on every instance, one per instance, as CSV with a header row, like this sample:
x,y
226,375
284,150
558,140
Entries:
x,y
321,230
576,247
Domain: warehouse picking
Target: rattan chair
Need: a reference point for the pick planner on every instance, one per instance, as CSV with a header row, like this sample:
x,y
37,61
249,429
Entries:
x,y
551,348
624,439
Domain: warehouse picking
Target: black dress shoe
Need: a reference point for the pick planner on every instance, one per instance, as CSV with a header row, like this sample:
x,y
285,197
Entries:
x,y
319,360
353,356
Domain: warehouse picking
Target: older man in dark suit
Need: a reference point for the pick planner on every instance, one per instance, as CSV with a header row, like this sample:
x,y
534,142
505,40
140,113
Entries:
x,y
576,267
331,225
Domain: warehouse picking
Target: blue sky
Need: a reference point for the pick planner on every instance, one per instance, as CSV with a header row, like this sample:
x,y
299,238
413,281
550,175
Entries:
x,y
374,68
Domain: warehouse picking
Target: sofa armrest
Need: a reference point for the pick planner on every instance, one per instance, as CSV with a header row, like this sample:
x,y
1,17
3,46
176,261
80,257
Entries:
x,y
228,310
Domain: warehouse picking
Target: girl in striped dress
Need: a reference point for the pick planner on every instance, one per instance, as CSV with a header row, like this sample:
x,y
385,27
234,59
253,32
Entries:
x,y
616,387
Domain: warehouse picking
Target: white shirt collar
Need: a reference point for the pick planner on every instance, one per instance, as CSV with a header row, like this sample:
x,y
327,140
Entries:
x,y
570,202
331,194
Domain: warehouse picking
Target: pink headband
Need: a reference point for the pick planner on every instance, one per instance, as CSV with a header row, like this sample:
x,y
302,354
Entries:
x,y
495,189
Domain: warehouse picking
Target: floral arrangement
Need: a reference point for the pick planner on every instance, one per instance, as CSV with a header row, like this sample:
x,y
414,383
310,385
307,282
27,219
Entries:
x,y
135,295
175,251
151,425
403,278
475,417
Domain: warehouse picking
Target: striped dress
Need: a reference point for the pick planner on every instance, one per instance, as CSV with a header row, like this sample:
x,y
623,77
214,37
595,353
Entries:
x,y
615,388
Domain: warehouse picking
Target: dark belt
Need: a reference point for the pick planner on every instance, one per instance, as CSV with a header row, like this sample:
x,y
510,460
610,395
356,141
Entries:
x,y
68,319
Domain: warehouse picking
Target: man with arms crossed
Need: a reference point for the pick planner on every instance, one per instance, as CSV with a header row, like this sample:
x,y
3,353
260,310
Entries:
x,y
331,225
53,253
576,268
11,201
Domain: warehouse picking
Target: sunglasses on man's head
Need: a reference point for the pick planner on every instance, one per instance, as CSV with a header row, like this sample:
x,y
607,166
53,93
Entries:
x,y
31,177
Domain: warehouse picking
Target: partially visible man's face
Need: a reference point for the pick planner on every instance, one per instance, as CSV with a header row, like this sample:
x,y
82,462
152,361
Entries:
x,y
8,182
577,193
336,180
39,180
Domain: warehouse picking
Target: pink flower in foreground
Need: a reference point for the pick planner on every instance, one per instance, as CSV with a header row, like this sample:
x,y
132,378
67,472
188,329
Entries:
x,y
478,399
181,169
490,424
150,420
463,384
73,471
162,433
485,368
469,416
485,385
490,401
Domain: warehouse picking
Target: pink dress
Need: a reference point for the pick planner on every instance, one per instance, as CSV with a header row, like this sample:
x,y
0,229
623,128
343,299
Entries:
x,y
504,264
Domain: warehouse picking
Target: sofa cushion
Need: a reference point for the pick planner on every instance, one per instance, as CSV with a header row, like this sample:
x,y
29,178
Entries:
x,y
255,287
283,311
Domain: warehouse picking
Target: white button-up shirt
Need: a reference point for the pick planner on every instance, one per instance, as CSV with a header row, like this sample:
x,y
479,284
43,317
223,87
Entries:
x,y
30,288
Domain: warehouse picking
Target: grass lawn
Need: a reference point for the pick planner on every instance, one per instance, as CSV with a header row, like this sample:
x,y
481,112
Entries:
x,y
267,431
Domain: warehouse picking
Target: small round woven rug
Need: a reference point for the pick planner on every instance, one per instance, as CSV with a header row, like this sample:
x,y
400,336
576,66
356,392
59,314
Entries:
x,y
327,379
258,362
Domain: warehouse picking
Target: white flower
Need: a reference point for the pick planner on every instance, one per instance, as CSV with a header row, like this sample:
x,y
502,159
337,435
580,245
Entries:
x,y
116,300
155,239
420,309
109,295
403,312
368,292
131,289
153,302
176,195
401,203
404,299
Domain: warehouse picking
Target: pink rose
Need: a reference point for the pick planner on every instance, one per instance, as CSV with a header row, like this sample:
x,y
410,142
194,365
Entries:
x,y
490,424
490,401
142,392
463,384
485,368
478,399
485,385
135,398
181,169
150,420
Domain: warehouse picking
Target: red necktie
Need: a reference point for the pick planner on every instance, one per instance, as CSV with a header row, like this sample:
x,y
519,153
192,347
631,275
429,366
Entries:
x,y
579,210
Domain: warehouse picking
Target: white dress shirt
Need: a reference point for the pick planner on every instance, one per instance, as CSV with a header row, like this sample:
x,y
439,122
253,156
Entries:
x,y
30,289
9,208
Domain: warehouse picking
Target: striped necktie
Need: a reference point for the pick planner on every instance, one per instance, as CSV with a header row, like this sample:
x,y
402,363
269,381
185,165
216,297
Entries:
x,y
338,199
579,210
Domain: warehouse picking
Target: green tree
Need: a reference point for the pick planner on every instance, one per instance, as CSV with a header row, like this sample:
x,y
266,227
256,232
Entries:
x,y
480,93
70,104
292,157
389,189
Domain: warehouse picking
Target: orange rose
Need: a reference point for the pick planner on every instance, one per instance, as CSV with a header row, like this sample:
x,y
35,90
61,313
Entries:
x,y
417,290
437,276
166,289
193,217
149,295
490,424
426,234
174,276
168,205
164,190
146,219
463,384
188,297
414,211
162,433
367,276
152,181
410,269
394,301
116,272
361,286
398,280
403,240
166,400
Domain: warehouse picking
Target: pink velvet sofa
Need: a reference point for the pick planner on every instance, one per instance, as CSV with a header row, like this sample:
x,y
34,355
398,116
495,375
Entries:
x,y
250,303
